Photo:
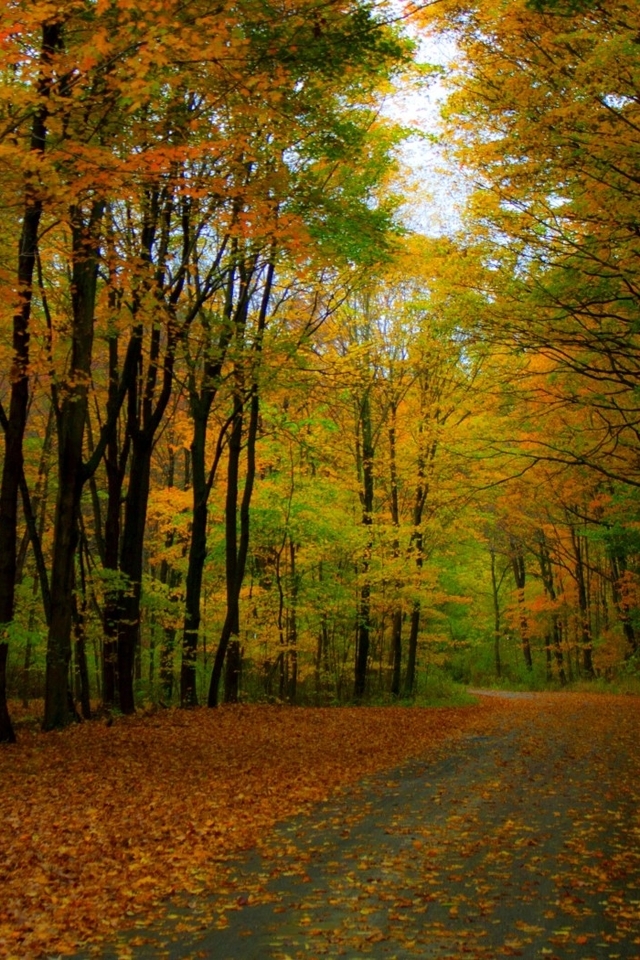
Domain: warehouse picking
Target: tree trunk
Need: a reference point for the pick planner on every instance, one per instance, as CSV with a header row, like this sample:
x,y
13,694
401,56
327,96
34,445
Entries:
x,y
519,576
201,404
396,620
236,550
71,418
198,544
363,632
115,461
546,573
233,668
195,570
495,588
585,625
12,468
412,650
131,562
234,575
618,569
425,459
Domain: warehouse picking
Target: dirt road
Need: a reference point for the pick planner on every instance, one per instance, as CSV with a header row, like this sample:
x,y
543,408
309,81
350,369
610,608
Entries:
x,y
524,841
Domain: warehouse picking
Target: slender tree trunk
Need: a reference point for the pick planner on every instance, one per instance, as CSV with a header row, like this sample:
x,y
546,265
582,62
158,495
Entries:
x,y
425,460
80,648
495,588
12,468
585,626
231,626
197,557
198,545
546,573
115,461
519,576
233,669
292,627
396,619
618,570
145,415
366,495
71,418
236,549
131,564
412,648
201,404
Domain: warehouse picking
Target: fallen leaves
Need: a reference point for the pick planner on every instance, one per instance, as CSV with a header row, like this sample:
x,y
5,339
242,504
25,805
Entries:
x,y
101,823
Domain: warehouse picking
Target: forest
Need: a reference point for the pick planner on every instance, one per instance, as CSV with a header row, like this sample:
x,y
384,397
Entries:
x,y
264,440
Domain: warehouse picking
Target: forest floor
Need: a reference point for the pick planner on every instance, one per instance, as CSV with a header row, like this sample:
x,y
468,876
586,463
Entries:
x,y
507,829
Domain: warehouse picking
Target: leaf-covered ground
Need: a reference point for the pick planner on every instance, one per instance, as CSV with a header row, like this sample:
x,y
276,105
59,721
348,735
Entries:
x,y
101,824
522,841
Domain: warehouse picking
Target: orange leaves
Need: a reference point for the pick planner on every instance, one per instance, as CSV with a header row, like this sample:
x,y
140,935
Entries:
x,y
103,822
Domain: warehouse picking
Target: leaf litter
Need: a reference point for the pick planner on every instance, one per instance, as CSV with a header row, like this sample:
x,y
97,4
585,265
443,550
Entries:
x,y
143,825
101,824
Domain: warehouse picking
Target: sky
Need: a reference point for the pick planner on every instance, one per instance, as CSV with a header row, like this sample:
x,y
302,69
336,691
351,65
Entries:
x,y
436,190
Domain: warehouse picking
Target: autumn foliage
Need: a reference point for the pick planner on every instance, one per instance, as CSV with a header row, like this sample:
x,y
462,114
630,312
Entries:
x,y
155,806
262,442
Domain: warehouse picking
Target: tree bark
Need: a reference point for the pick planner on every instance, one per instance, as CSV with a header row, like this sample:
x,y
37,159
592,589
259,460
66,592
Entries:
x,y
231,627
71,417
237,548
201,404
363,633
519,576
495,587
12,468
396,620
586,640
546,573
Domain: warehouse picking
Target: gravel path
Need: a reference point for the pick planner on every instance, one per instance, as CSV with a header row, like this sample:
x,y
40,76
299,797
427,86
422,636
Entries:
x,y
524,842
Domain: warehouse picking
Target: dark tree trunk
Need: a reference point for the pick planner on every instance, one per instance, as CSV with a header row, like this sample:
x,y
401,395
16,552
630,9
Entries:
x,y
81,669
7,734
425,460
193,583
519,576
555,638
618,569
583,604
71,418
236,549
145,415
131,562
201,404
495,588
233,668
396,620
363,633
412,648
12,468
231,627
115,461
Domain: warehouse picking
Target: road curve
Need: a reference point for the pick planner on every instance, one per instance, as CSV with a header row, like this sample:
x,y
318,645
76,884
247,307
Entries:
x,y
521,842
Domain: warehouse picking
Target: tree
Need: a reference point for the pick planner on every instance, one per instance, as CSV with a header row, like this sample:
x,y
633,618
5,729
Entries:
x,y
544,118
14,427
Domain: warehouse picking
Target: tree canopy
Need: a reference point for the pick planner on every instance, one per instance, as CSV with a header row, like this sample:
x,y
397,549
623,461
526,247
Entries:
x,y
260,439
